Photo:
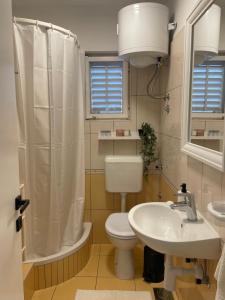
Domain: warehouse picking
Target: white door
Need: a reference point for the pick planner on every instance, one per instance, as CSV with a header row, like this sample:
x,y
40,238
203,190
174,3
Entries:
x,y
11,287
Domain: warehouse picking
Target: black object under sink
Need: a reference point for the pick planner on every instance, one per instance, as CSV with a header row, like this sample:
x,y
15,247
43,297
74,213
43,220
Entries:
x,y
153,265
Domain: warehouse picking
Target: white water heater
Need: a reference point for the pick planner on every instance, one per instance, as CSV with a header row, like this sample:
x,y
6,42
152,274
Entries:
x,y
207,34
143,33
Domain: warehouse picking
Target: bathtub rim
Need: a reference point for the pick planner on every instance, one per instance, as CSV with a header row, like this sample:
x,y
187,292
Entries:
x,y
65,252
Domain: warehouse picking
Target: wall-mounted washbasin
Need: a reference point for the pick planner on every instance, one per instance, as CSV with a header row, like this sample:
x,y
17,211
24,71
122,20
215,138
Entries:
x,y
168,231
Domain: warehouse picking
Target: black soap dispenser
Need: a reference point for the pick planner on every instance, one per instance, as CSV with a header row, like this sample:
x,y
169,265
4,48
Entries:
x,y
183,188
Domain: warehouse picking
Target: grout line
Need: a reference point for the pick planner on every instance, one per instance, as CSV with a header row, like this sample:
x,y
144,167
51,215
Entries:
x,y
96,278
53,293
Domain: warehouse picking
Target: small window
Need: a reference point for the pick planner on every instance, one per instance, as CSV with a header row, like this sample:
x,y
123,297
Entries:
x,y
106,88
208,88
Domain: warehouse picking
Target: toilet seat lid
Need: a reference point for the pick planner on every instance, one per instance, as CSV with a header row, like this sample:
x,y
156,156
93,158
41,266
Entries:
x,y
117,224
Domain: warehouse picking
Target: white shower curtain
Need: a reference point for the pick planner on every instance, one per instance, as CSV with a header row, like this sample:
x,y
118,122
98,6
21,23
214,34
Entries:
x,y
51,151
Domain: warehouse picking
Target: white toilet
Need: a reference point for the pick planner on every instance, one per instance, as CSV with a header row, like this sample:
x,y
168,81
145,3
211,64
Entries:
x,y
123,174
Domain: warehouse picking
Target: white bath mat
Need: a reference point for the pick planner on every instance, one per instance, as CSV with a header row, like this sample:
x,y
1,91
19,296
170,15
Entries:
x,y
111,295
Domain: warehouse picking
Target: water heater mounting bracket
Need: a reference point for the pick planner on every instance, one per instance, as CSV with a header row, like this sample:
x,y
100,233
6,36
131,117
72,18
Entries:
x,y
172,26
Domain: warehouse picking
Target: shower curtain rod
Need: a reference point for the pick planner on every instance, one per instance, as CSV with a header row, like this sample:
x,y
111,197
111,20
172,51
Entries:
x,y
46,25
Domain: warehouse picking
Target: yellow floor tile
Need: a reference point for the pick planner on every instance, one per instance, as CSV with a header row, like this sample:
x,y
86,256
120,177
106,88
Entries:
x,y
189,293
91,267
67,290
106,266
107,249
207,293
115,284
138,268
45,294
95,249
141,285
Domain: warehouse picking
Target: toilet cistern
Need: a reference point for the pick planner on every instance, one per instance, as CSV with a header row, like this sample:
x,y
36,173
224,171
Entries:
x,y
123,174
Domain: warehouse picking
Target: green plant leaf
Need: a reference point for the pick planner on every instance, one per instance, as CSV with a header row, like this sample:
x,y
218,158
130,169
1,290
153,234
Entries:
x,y
148,145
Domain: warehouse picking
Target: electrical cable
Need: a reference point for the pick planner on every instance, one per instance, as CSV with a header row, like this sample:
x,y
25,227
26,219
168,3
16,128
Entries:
x,y
151,82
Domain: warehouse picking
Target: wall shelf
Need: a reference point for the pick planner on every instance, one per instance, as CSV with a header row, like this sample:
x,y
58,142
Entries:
x,y
194,137
133,137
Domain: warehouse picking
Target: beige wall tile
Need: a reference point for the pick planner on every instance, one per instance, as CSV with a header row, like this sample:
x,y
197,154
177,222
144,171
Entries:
x,y
143,77
126,124
133,81
125,148
97,125
212,181
150,190
148,110
100,199
87,127
131,123
87,151
99,149
166,190
176,62
173,160
171,122
195,169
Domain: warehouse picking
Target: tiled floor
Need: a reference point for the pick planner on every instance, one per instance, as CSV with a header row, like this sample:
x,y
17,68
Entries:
x,y
98,274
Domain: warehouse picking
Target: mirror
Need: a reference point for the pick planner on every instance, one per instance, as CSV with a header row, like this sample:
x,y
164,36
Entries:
x,y
205,88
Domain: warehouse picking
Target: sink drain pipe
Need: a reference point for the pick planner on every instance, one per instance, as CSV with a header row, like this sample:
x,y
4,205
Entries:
x,y
172,272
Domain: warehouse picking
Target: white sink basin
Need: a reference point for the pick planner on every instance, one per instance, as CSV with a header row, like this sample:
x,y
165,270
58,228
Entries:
x,y
168,231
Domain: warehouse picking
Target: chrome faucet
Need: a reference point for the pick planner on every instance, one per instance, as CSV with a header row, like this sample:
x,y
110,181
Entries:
x,y
188,204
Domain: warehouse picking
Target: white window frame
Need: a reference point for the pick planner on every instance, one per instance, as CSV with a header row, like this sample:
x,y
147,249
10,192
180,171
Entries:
x,y
124,114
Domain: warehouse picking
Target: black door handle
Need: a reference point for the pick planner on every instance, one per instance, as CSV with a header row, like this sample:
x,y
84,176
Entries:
x,y
21,204
19,223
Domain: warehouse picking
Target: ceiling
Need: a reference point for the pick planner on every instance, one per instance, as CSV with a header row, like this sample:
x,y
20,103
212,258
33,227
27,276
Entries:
x,y
84,2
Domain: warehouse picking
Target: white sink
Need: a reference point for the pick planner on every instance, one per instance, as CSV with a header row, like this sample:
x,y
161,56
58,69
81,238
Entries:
x,y
168,231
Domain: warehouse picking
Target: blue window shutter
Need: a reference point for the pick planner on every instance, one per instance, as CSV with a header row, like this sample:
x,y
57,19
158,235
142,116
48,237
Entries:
x,y
106,87
208,88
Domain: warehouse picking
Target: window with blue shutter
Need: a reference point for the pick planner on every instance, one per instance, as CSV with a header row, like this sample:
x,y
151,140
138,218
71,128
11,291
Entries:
x,y
208,88
107,88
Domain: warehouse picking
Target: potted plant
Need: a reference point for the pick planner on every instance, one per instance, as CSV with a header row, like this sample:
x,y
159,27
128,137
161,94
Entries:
x,y
148,145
